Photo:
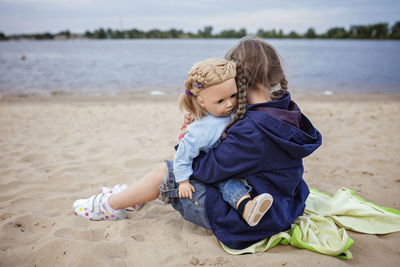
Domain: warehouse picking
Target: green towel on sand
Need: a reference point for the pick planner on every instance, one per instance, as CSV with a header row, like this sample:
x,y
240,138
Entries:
x,y
317,229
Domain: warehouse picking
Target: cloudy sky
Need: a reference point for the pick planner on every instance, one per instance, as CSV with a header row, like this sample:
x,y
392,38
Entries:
x,y
33,16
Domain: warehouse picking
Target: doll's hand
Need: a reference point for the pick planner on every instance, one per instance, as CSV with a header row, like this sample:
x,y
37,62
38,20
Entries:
x,y
187,119
223,136
186,189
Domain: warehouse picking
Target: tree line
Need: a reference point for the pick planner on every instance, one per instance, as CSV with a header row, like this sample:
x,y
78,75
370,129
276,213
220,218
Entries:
x,y
373,31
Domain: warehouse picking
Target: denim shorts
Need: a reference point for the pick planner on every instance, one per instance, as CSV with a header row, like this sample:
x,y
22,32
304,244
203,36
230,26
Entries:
x,y
193,210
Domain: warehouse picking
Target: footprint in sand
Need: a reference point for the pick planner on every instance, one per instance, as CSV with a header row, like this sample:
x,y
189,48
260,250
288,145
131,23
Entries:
x,y
27,229
65,252
29,224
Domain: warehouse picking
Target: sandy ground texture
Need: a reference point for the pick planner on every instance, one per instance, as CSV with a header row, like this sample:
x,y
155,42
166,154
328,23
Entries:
x,y
58,149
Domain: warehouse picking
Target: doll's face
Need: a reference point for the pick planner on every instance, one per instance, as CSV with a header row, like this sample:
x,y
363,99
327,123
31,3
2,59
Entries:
x,y
220,99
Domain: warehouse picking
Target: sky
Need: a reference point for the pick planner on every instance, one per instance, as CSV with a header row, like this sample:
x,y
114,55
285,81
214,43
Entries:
x,y
38,16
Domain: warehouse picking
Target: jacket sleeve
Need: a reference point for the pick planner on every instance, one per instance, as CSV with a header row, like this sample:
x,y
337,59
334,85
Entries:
x,y
239,155
189,148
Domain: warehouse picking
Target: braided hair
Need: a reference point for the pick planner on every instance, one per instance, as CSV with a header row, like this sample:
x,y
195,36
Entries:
x,y
257,63
241,83
202,75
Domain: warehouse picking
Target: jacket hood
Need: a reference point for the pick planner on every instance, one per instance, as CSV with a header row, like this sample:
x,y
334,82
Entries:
x,y
283,122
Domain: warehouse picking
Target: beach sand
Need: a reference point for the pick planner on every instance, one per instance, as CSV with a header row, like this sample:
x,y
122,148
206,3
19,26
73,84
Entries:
x,y
58,149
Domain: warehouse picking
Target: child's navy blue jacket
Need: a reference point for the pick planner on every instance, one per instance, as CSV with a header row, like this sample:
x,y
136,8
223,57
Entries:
x,y
266,148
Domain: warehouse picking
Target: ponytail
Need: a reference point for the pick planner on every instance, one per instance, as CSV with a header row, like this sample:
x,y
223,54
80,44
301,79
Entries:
x,y
190,104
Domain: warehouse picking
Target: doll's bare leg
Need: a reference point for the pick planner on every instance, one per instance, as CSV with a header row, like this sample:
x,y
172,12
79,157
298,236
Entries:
x,y
144,190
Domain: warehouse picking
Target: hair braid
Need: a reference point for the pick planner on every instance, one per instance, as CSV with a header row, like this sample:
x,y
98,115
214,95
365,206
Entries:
x,y
284,84
261,65
241,82
281,92
202,75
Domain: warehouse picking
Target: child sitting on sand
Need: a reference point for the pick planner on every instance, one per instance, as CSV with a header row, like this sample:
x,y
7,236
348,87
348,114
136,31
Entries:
x,y
211,96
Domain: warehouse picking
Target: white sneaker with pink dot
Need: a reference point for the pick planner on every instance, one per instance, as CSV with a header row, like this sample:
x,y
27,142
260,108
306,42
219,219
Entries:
x,y
96,208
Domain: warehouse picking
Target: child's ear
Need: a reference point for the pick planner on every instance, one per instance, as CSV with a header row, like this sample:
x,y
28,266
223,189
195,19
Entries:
x,y
200,100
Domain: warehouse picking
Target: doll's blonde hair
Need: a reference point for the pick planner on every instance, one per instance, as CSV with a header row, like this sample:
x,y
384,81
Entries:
x,y
202,75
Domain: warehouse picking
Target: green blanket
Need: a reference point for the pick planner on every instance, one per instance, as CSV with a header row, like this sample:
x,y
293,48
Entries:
x,y
317,229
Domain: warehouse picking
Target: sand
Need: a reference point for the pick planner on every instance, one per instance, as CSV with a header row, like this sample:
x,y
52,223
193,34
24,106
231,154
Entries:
x,y
58,149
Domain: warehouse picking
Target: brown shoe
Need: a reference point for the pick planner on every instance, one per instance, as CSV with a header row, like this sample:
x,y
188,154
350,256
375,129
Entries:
x,y
256,208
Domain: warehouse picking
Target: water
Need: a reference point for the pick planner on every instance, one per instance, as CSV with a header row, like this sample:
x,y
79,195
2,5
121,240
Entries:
x,y
109,67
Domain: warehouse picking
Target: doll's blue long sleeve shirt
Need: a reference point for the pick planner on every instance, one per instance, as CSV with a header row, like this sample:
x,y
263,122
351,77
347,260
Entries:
x,y
201,135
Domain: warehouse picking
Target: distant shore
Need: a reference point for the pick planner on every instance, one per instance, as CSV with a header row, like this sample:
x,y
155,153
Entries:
x,y
376,31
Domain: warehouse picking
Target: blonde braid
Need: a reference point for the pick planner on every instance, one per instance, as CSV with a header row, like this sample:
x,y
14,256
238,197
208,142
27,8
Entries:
x,y
204,74
241,82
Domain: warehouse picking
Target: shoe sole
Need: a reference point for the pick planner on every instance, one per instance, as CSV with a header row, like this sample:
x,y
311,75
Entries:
x,y
263,203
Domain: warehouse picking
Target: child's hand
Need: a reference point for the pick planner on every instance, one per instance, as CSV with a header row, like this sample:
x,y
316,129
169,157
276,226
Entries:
x,y
186,189
187,119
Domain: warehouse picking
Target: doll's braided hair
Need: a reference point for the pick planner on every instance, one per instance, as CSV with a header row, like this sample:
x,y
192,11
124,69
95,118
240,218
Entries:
x,y
257,62
204,74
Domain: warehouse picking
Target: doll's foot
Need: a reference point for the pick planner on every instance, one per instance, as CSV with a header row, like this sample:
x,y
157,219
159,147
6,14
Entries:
x,y
256,208
96,208
116,189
